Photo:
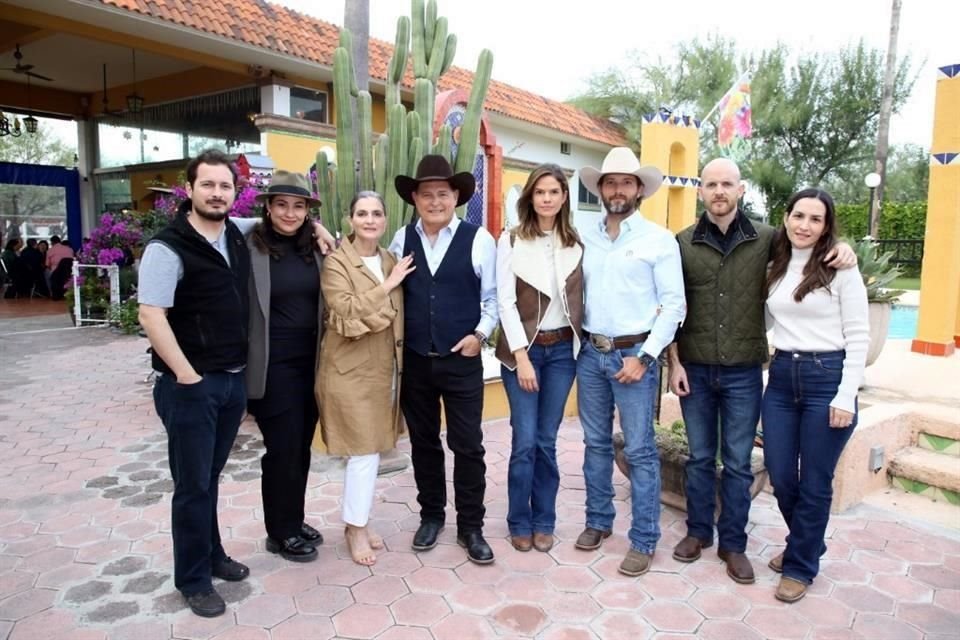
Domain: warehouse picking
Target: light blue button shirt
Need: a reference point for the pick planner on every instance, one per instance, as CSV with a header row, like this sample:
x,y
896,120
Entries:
x,y
483,257
634,284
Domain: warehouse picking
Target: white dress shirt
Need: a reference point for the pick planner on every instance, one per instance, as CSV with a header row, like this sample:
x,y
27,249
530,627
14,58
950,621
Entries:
x,y
483,257
633,284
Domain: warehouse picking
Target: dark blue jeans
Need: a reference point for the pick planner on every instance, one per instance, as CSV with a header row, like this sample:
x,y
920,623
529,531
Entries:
x,y
723,406
201,420
533,477
801,451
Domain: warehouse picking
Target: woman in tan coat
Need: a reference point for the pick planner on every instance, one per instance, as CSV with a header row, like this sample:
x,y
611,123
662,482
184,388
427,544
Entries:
x,y
360,361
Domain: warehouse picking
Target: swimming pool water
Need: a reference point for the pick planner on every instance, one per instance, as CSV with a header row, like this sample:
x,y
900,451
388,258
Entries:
x,y
903,322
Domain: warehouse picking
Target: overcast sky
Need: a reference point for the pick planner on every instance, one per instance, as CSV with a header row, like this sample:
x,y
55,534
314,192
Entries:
x,y
550,48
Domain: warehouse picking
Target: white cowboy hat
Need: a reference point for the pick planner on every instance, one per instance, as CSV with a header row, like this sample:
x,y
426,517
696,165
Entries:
x,y
622,160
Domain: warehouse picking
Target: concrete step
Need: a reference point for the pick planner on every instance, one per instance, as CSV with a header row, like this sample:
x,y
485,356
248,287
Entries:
x,y
938,443
926,473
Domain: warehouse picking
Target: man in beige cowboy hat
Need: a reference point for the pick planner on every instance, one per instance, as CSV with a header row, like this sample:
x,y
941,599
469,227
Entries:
x,y
450,307
634,303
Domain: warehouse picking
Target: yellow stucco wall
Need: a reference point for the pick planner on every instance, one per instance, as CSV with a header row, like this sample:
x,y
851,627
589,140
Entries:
x,y
675,150
938,330
293,152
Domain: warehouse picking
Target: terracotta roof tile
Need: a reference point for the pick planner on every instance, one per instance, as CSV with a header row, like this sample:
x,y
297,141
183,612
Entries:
x,y
288,32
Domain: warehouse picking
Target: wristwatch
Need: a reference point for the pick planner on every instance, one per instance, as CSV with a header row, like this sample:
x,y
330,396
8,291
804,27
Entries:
x,y
479,336
646,359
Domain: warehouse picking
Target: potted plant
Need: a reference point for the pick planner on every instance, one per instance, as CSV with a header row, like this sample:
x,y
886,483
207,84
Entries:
x,y
674,452
878,273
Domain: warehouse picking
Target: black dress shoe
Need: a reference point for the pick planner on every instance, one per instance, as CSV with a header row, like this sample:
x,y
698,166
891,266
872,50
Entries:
x,y
310,534
426,536
477,548
294,549
207,604
230,570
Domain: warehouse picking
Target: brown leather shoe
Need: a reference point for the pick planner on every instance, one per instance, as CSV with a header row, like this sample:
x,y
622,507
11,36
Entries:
x,y
688,549
776,563
590,539
542,542
521,543
790,590
635,563
738,566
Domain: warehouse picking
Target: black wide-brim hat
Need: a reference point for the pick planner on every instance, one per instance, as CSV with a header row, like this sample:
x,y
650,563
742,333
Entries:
x,y
289,183
434,168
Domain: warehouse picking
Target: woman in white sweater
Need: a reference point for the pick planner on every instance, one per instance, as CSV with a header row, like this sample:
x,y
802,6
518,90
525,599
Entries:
x,y
820,333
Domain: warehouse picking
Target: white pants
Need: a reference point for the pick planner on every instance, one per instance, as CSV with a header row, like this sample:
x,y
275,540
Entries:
x,y
358,486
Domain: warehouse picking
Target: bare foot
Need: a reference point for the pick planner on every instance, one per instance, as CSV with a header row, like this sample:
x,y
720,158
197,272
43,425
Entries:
x,y
358,542
375,541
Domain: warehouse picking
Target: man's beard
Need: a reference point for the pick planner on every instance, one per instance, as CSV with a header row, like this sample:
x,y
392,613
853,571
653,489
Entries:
x,y
207,214
620,208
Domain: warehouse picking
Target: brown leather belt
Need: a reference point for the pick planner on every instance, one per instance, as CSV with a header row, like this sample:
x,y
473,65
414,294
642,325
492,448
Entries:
x,y
606,344
553,336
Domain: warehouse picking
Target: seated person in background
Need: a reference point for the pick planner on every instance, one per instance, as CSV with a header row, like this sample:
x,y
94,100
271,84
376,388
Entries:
x,y
32,259
58,251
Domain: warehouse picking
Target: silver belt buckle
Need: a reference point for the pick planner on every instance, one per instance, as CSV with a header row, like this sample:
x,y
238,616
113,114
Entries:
x,y
603,344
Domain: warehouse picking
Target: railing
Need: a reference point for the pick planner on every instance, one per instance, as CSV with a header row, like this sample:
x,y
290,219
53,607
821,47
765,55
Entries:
x,y
905,252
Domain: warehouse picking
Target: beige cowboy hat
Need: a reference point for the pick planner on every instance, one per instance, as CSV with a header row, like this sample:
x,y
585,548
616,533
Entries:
x,y
622,160
289,183
436,168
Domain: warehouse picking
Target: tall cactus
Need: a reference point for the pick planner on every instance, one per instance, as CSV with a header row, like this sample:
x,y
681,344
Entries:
x,y
409,136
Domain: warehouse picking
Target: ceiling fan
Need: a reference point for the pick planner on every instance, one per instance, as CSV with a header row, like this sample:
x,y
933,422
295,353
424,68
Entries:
x,y
24,69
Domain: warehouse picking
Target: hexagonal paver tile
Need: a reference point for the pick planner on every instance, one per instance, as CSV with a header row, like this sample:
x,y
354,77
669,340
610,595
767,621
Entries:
x,y
290,581
566,553
667,586
325,600
459,626
379,590
419,609
16,581
930,618
394,563
671,616
844,572
243,633
570,607
620,595
572,578
528,562
824,611
475,598
47,559
303,626
726,630
152,630
344,572
524,588
26,603
519,619
946,598
567,632
362,621
266,610
777,623
864,599
875,626
879,562
720,604
914,552
901,588
432,580
621,625
937,576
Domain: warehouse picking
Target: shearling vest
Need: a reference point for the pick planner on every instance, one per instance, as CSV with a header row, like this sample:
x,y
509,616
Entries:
x,y
725,320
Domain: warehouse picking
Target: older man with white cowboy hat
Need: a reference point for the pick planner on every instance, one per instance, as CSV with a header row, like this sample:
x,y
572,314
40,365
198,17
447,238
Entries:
x,y
634,303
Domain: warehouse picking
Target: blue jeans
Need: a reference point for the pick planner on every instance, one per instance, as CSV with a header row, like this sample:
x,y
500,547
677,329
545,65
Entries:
x,y
533,477
597,393
724,406
801,451
201,420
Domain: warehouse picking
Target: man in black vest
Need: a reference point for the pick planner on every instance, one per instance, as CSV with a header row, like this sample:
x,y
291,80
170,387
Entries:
x,y
194,309
450,308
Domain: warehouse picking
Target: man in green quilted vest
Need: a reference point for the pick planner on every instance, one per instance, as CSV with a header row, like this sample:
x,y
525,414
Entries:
x,y
716,362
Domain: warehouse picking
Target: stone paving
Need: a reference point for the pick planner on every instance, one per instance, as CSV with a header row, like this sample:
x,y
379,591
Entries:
x,y
85,549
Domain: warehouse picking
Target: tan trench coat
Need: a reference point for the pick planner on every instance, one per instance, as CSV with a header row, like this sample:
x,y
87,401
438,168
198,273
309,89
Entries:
x,y
358,386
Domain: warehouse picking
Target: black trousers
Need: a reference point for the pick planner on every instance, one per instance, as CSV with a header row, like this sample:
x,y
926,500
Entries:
x,y
287,417
458,381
